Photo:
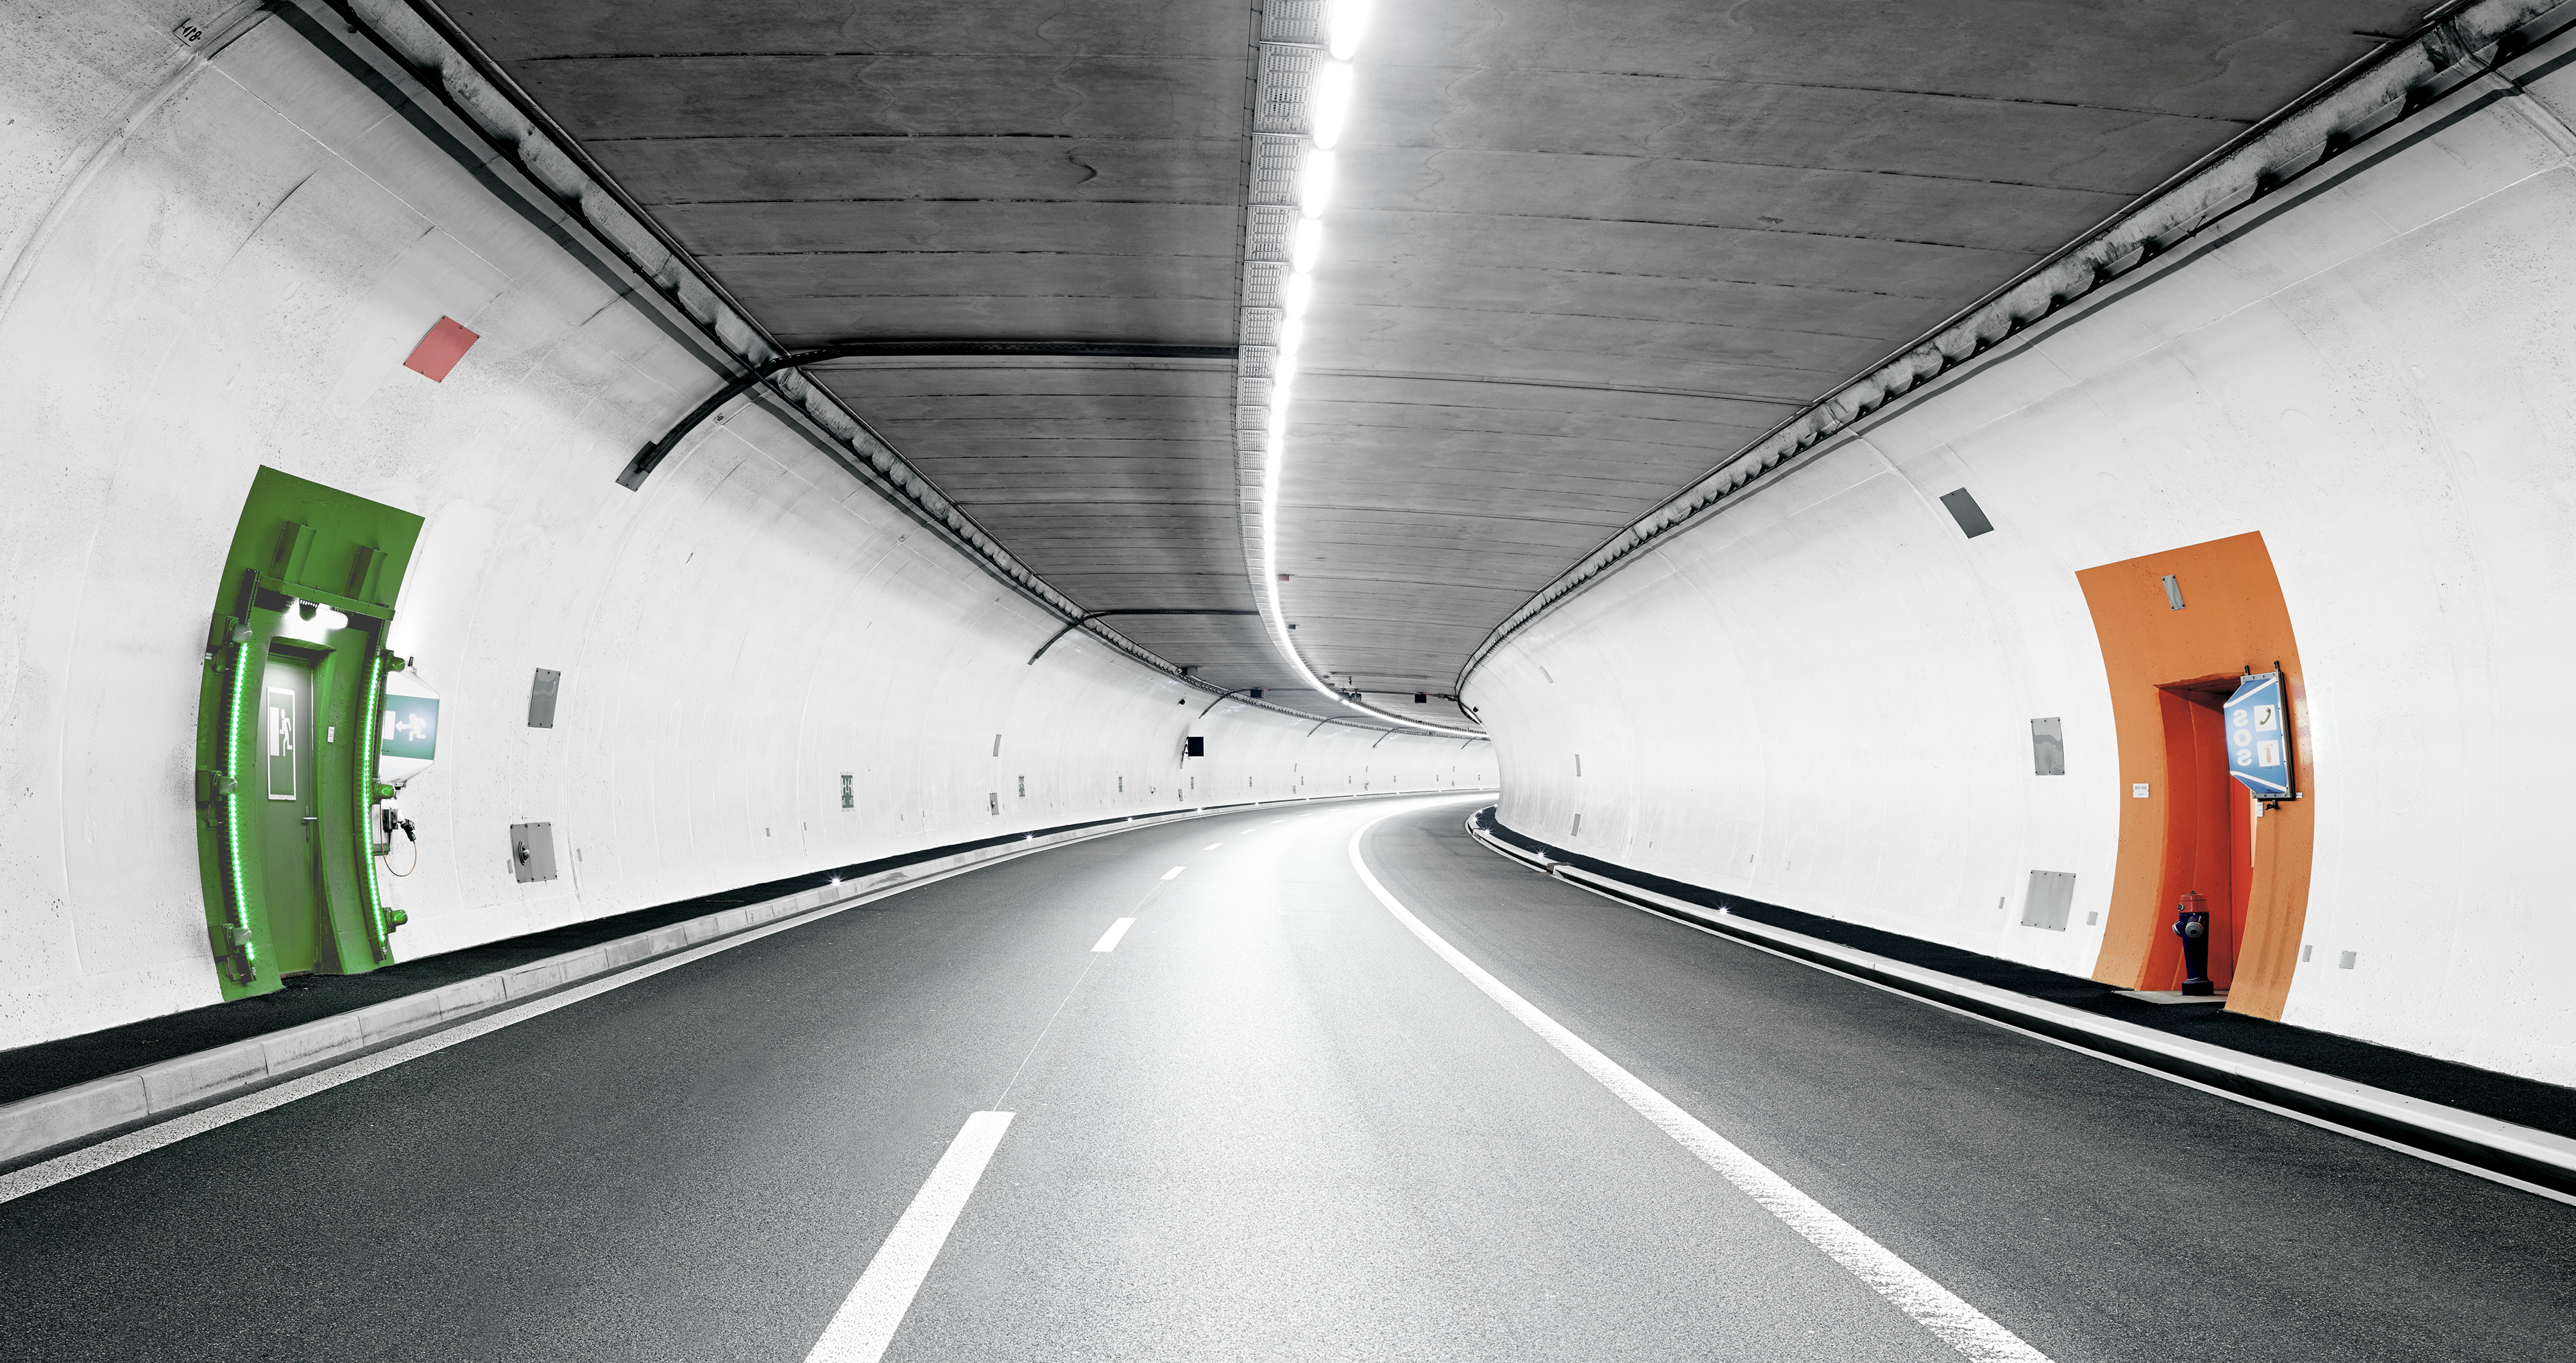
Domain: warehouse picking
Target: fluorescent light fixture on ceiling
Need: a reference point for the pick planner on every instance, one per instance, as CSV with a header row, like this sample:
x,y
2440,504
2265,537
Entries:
x,y
1330,102
1344,22
1306,245
1315,183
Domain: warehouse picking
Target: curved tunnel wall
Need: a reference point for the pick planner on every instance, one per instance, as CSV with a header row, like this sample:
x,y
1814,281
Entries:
x,y
211,266
1821,697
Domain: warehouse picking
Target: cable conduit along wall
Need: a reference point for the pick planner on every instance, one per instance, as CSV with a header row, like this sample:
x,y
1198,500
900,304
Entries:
x,y
729,655
2326,412
497,115
2440,57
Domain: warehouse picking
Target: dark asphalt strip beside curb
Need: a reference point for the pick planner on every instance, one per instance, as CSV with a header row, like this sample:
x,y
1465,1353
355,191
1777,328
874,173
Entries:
x,y
46,1125
2534,1160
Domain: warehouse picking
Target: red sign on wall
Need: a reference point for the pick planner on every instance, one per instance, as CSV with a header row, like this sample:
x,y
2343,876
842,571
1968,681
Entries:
x,y
439,351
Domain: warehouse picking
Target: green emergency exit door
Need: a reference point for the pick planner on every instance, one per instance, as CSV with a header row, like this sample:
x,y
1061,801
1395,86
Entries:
x,y
290,818
287,779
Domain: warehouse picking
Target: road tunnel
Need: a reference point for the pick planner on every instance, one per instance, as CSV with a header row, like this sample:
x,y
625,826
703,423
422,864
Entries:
x,y
1337,679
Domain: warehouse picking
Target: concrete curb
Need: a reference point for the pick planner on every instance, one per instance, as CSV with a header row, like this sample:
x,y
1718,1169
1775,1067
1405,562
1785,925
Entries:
x,y
2537,1160
49,1123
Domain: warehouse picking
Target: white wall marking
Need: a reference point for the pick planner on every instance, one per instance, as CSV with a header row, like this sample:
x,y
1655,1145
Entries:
x,y
1109,940
1934,1307
1167,875
874,1310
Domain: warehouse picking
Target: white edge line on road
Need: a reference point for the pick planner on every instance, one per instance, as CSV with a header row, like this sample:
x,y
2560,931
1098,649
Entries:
x,y
875,1308
1934,1307
2168,1076
1167,875
88,1158
1109,940
158,1105
98,1155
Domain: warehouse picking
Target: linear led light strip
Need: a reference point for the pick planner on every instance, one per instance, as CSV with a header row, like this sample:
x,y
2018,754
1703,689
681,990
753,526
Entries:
x,y
372,732
1327,101
232,810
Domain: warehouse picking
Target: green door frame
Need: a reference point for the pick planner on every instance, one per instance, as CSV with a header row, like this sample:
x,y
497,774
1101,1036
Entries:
x,y
312,572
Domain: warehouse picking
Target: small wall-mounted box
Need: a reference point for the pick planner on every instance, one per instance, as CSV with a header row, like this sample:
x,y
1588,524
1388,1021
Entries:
x,y
532,851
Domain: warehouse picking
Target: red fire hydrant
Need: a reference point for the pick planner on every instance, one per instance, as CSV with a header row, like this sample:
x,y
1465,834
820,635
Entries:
x,y
2191,924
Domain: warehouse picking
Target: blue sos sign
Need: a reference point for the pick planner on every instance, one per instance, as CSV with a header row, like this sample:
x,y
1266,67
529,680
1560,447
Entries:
x,y
2258,736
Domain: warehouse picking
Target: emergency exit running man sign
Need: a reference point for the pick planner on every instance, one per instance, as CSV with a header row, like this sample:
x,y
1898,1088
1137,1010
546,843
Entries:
x,y
2258,737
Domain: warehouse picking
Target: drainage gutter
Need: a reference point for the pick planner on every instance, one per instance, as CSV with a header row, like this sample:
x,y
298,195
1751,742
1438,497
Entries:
x,y
49,1123
2535,1161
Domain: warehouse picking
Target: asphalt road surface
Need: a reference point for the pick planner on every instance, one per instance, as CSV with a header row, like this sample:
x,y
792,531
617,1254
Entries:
x,y
1270,1122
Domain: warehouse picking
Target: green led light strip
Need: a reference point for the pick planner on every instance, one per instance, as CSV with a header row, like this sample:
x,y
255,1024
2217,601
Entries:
x,y
367,789
232,806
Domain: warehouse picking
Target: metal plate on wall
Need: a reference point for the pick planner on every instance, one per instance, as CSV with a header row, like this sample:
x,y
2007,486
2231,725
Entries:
x,y
2048,747
1963,508
2049,900
541,698
532,851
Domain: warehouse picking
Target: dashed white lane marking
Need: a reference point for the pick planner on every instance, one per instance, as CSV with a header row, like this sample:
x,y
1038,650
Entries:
x,y
1109,940
1934,1307
1212,847
874,1310
1167,875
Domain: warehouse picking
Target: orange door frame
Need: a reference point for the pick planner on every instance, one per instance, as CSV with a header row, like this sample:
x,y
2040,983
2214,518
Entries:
x,y
2233,617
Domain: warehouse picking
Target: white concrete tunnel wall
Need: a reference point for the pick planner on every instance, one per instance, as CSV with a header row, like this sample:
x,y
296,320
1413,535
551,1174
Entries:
x,y
213,268
1820,698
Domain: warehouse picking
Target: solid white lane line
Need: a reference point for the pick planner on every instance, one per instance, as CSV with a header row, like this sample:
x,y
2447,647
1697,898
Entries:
x,y
1167,875
1934,1307
874,1310
2167,1076
72,1164
1109,940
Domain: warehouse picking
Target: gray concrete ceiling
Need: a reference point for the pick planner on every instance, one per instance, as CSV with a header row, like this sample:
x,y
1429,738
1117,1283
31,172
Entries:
x,y
1579,253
